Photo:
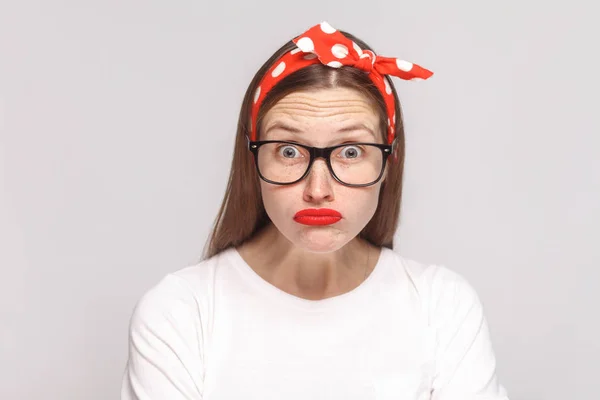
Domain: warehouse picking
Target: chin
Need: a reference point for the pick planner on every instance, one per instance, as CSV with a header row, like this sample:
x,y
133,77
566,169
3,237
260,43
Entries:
x,y
320,239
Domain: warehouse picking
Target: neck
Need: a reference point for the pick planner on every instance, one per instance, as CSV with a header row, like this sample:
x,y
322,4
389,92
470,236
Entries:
x,y
306,274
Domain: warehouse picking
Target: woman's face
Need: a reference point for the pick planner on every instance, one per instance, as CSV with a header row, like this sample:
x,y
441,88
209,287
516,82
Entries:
x,y
321,118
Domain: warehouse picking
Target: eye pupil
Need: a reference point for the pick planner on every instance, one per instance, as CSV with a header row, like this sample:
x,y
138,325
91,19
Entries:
x,y
288,152
351,152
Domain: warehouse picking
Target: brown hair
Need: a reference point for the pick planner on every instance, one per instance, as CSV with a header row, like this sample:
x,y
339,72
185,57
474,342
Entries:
x,y
242,212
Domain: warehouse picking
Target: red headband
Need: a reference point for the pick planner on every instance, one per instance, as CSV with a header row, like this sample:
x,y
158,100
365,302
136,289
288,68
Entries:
x,y
326,45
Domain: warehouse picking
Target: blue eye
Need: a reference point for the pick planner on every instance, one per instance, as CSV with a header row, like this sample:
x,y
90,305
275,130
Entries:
x,y
351,152
288,151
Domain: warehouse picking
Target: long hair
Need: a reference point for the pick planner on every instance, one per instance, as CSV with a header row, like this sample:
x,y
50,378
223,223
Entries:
x,y
242,212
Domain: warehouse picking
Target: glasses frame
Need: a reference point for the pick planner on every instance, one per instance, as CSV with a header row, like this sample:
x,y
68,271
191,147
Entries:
x,y
324,153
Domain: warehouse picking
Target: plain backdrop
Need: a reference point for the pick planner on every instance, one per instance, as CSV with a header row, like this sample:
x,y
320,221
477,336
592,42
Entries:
x,y
117,121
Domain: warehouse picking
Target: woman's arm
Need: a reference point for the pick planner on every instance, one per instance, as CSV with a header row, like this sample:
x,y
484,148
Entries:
x,y
465,360
165,345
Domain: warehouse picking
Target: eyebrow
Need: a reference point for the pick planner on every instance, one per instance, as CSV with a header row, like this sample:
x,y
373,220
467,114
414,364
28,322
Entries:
x,y
350,128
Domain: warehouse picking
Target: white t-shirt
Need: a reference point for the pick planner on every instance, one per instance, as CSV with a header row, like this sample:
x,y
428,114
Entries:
x,y
217,331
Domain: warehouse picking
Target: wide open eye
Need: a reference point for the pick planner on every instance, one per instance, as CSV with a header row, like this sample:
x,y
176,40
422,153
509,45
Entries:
x,y
288,151
350,152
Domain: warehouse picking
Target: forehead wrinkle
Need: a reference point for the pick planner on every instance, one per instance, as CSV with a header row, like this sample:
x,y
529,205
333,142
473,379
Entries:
x,y
326,111
307,106
305,102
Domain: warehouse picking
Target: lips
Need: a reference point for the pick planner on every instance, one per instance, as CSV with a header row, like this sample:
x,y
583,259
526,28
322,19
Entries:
x,y
317,216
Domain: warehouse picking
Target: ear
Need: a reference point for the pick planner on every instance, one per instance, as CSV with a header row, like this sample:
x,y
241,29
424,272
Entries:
x,y
385,172
395,151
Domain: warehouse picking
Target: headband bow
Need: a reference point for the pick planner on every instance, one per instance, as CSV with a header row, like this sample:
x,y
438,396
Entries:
x,y
324,44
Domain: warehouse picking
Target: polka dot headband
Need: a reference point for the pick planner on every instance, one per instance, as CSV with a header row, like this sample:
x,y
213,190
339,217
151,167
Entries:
x,y
324,44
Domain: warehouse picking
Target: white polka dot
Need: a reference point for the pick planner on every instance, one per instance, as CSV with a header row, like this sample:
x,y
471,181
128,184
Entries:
x,y
369,54
388,89
325,27
296,50
278,70
389,122
339,51
416,79
357,49
394,118
306,45
334,64
404,65
310,56
256,95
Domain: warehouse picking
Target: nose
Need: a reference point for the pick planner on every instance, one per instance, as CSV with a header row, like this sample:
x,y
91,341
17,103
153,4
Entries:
x,y
319,183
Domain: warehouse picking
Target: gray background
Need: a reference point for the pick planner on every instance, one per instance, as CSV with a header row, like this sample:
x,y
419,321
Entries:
x,y
117,121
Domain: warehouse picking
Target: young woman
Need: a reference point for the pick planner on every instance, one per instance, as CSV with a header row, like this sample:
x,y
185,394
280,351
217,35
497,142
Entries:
x,y
300,295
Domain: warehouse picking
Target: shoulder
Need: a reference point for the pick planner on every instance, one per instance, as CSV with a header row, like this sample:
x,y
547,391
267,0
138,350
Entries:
x,y
436,278
180,294
442,290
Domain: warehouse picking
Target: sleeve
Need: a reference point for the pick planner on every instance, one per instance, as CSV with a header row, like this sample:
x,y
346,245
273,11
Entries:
x,y
464,358
165,345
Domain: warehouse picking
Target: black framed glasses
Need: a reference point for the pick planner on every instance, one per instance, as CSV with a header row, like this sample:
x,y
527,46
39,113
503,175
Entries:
x,y
283,162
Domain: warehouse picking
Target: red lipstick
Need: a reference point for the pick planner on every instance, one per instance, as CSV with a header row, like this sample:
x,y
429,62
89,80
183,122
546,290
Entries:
x,y
317,216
